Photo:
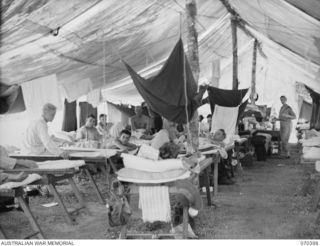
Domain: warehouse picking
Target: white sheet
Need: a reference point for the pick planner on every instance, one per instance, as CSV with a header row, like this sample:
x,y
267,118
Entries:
x,y
30,179
142,164
312,154
40,91
317,166
94,97
60,164
315,141
225,118
148,152
130,175
160,138
73,91
223,153
155,203
85,152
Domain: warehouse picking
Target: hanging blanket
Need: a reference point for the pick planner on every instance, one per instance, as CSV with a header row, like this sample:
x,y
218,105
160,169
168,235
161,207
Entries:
x,y
315,114
11,99
227,99
164,93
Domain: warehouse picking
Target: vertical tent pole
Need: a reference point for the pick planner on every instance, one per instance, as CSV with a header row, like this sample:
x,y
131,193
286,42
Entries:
x,y
234,52
253,72
193,58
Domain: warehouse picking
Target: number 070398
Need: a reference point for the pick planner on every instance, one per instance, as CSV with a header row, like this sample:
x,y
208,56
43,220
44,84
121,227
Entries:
x,y
309,243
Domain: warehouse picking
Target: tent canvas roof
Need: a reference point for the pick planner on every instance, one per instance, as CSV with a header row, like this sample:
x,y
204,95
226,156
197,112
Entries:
x,y
93,33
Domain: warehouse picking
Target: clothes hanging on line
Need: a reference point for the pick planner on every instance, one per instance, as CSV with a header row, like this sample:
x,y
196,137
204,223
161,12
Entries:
x,y
227,98
40,91
69,123
11,99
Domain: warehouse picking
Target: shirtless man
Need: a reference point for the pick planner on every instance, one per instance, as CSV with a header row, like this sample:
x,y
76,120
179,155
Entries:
x,y
122,142
139,121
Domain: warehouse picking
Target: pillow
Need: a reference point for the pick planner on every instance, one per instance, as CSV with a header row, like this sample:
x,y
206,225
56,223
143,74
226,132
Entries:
x,y
138,176
315,141
142,164
312,154
148,152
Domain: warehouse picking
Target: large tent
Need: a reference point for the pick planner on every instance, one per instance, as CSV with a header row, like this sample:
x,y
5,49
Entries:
x,y
79,44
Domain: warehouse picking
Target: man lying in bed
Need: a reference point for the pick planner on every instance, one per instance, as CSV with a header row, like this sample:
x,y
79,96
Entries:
x,y
122,142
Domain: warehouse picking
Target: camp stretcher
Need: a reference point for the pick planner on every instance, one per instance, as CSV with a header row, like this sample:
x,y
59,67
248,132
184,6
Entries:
x,y
51,177
92,157
203,165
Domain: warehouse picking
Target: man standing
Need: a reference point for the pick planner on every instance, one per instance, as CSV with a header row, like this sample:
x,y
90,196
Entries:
x,y
286,115
37,140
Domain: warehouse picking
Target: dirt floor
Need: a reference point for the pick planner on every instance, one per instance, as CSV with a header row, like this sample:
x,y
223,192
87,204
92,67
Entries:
x,y
271,201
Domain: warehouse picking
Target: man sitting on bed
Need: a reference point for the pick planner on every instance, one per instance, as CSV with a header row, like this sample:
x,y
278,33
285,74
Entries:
x,y
37,140
88,131
140,121
122,142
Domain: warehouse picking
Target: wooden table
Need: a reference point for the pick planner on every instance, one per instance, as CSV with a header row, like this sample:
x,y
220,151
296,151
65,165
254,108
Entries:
x,y
19,194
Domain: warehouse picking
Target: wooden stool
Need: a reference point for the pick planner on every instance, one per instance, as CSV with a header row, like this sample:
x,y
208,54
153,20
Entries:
x,y
19,194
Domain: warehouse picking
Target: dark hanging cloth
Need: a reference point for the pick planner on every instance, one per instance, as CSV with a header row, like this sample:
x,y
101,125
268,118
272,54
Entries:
x,y
164,93
242,107
85,110
69,123
227,98
315,115
305,111
155,117
11,99
124,109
